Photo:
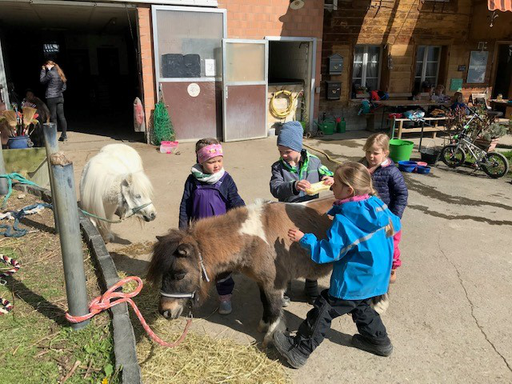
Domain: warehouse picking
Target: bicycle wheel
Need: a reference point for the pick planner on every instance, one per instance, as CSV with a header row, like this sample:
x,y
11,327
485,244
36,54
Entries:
x,y
495,165
453,156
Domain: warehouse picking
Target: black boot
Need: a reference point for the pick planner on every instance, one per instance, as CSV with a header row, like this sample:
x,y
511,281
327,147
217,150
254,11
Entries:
x,y
361,342
311,290
288,349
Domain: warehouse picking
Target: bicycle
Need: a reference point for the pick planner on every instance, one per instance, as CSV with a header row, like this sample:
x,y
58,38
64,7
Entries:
x,y
494,164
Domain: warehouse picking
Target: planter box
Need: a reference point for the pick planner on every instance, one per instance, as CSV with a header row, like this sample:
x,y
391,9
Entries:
x,y
29,162
486,144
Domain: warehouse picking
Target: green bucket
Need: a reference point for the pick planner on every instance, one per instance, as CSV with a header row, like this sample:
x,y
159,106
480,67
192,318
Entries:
x,y
400,150
327,127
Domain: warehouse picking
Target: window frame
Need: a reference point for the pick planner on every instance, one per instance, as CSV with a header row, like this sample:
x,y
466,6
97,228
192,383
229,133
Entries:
x,y
425,62
364,64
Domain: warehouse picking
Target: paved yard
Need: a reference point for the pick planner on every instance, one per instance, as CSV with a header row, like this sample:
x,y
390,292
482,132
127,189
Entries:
x,y
449,314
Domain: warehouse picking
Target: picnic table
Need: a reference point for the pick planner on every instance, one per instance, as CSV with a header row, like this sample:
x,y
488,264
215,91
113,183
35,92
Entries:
x,y
506,103
431,122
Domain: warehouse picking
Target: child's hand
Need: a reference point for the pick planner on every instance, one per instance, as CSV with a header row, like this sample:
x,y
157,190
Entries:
x,y
302,185
295,234
392,278
328,180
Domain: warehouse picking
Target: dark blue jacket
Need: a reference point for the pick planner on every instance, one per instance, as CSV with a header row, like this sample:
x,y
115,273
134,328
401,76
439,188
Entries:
x,y
390,185
227,189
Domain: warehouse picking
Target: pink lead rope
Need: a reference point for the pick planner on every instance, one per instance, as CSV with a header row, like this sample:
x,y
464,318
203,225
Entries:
x,y
103,302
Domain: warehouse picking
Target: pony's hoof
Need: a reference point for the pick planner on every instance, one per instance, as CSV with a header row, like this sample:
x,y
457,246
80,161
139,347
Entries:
x,y
262,326
267,339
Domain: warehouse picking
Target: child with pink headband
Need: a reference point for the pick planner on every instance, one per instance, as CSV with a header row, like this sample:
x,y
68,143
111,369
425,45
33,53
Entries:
x,y
210,191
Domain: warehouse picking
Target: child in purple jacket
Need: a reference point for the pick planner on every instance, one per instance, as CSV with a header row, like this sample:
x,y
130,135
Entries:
x,y
210,191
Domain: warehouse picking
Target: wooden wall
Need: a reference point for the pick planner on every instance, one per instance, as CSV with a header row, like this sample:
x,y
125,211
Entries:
x,y
399,26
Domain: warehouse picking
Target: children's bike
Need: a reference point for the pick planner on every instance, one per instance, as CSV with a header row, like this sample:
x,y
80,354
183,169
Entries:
x,y
494,164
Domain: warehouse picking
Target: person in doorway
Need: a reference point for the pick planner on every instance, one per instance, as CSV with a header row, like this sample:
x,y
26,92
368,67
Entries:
x,y
292,174
53,77
389,184
360,246
210,191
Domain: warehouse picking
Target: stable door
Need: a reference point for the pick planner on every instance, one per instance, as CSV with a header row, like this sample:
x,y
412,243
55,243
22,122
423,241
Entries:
x,y
244,76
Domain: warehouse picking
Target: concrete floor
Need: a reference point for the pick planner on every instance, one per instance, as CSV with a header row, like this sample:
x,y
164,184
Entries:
x,y
449,313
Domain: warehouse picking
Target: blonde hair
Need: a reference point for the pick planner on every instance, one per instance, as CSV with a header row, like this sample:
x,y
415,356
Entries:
x,y
380,140
356,176
59,70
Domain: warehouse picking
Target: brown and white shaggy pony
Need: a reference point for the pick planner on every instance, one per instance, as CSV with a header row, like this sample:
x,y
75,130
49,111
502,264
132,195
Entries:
x,y
252,240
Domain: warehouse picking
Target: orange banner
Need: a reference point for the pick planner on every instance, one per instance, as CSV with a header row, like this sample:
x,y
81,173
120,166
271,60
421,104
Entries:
x,y
500,5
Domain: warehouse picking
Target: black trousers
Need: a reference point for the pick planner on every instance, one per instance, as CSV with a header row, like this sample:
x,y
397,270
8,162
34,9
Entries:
x,y
326,308
56,106
224,284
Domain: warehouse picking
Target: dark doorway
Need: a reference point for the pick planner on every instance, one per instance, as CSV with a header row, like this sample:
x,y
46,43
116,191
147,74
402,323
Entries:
x,y
503,82
97,48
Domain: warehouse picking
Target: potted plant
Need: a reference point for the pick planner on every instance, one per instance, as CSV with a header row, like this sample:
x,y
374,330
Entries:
x,y
19,124
490,134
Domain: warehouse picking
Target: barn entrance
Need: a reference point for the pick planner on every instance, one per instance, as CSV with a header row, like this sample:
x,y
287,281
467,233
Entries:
x,y
95,44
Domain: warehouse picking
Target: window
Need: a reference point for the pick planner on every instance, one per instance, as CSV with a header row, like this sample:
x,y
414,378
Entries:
x,y
427,65
189,43
366,71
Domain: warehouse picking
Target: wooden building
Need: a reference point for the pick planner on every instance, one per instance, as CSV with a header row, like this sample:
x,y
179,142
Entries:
x,y
396,45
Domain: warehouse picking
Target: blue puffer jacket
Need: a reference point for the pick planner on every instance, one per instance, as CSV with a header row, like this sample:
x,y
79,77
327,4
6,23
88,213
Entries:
x,y
390,185
359,247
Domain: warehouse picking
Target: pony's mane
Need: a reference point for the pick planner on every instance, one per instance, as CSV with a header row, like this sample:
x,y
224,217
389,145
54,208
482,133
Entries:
x,y
141,183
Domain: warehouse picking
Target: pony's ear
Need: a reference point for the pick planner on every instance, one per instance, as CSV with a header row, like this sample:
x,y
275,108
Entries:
x,y
128,180
183,250
160,238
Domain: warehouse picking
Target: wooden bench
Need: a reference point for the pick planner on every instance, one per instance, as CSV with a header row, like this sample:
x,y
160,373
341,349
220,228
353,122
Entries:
x,y
401,130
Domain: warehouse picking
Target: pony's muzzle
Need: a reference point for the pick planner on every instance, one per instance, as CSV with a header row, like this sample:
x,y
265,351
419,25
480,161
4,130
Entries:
x,y
150,217
170,309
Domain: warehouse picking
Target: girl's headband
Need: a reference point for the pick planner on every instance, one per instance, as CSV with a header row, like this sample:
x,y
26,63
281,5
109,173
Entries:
x,y
206,153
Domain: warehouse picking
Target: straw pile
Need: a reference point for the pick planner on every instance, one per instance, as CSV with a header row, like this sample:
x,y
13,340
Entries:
x,y
199,358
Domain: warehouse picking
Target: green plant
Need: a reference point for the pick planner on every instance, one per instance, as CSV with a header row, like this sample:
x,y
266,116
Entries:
x,y
494,131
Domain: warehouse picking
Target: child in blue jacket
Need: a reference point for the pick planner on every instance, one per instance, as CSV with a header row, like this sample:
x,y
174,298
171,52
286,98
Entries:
x,y
360,244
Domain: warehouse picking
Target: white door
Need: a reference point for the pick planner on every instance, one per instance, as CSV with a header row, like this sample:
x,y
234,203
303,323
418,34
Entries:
x,y
244,76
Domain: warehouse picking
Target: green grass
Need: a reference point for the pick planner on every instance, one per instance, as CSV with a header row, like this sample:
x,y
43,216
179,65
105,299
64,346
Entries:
x,y
37,344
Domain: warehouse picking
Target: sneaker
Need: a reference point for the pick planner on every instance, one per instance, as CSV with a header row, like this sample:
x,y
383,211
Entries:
x,y
63,138
286,347
286,300
225,307
311,299
359,341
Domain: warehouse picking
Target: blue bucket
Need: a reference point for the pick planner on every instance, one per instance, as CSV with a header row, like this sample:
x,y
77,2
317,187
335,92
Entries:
x,y
18,142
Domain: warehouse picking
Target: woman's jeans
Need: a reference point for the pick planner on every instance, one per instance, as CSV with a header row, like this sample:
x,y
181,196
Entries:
x,y
56,106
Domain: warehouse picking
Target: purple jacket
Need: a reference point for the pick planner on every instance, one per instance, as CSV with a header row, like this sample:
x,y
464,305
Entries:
x,y
202,200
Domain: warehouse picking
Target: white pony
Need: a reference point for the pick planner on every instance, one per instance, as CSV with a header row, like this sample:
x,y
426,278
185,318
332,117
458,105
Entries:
x,y
113,181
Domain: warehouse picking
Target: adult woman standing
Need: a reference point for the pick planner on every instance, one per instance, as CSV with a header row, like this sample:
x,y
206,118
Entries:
x,y
55,81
